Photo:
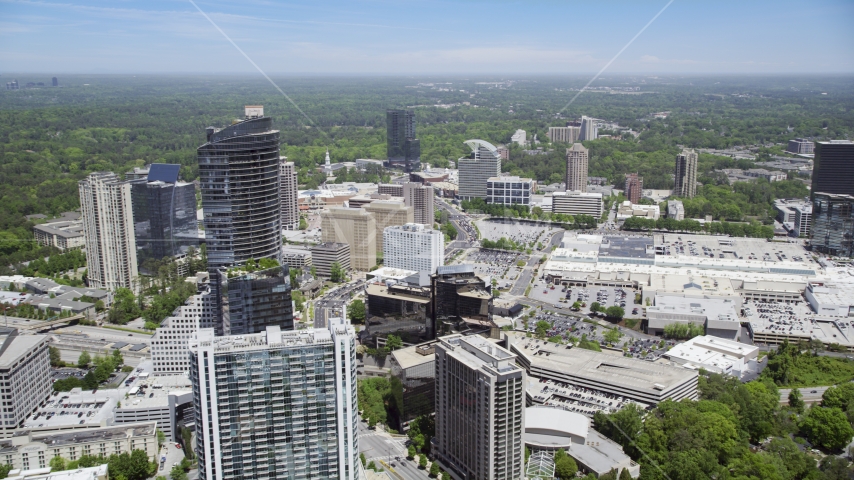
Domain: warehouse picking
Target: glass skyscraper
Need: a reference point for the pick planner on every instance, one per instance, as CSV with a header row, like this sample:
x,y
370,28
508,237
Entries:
x,y
164,214
253,301
239,174
404,150
276,405
833,224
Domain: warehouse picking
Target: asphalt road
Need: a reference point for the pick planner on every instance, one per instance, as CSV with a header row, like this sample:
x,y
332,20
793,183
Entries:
x,y
378,445
806,394
525,277
109,335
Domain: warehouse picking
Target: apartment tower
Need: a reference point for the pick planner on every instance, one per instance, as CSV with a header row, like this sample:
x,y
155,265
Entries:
x,y
413,247
686,174
634,187
276,404
420,198
108,233
289,194
576,168
480,408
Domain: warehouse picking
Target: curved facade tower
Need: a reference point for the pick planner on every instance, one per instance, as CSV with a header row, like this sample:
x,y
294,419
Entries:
x,y
239,180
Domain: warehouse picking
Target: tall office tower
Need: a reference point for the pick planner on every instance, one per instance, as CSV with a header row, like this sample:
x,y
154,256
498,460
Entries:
x,y
404,150
355,227
164,214
25,376
833,167
459,296
289,194
413,247
107,214
239,179
634,187
55,82
686,174
833,224
170,345
277,404
420,198
480,409
588,129
388,213
474,172
576,168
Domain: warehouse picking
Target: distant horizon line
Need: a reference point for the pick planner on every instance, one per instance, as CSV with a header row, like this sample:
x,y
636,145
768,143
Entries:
x,y
504,76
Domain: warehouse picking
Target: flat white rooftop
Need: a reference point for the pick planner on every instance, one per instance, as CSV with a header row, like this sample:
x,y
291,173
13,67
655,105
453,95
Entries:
x,y
713,351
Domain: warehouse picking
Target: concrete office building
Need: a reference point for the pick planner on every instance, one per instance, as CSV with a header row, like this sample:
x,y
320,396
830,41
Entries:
x,y
576,168
357,228
414,369
833,168
636,380
289,194
800,146
296,257
24,376
327,253
519,138
64,234
719,317
413,247
803,221
786,208
389,213
164,214
167,400
420,198
108,231
634,187
568,134
404,150
480,409
393,189
588,129
675,210
578,203
299,385
510,190
474,172
629,209
32,450
170,344
686,174
833,224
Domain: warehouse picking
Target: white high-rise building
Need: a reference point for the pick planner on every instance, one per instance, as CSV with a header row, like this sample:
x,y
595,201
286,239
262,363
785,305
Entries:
x,y
519,138
288,192
170,345
480,409
277,404
685,179
413,247
588,129
25,377
107,214
475,172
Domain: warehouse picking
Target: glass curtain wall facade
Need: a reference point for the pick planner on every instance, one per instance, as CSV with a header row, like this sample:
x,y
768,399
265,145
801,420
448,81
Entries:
x,y
833,224
252,301
164,217
403,149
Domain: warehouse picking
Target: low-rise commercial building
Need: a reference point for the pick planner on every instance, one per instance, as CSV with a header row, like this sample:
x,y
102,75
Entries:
x,y
719,317
636,380
63,234
92,473
166,400
714,354
628,209
328,253
800,146
578,203
551,428
510,190
296,257
675,210
832,300
33,448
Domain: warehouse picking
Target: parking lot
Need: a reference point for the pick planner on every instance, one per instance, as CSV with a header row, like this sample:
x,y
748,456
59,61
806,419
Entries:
x,y
499,265
566,327
563,297
528,234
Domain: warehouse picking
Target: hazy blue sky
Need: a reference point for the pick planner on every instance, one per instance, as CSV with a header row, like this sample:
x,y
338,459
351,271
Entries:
x,y
402,37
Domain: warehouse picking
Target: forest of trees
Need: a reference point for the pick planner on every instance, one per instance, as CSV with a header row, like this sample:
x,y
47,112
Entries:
x,y
52,138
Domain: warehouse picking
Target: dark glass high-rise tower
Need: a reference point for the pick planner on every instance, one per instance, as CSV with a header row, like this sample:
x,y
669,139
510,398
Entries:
x,y
239,178
404,150
164,214
833,167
